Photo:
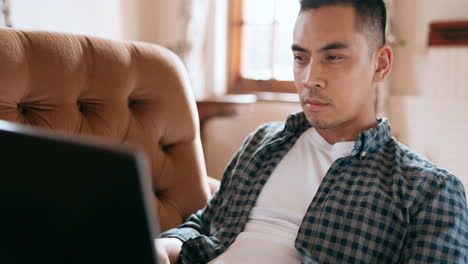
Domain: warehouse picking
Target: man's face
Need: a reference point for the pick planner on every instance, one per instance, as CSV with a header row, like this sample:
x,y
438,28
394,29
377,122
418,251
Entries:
x,y
333,68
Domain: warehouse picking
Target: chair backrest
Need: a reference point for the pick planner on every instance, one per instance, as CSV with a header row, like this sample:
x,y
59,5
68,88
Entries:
x,y
116,90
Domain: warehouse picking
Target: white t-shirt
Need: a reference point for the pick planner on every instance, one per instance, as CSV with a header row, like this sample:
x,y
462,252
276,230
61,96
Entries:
x,y
273,223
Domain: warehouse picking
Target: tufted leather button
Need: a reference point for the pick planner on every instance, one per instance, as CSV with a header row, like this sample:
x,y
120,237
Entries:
x,y
22,109
166,148
80,106
131,103
157,193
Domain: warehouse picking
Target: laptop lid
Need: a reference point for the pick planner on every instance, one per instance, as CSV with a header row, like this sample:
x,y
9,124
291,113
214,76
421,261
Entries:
x,y
64,200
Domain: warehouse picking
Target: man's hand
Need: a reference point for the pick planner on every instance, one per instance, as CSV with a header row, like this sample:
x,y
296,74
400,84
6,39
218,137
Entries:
x,y
168,250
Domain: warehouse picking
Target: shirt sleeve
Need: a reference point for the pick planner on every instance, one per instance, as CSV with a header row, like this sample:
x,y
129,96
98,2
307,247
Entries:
x,y
438,231
199,223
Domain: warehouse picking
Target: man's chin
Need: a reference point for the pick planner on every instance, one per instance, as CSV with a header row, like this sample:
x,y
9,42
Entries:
x,y
323,124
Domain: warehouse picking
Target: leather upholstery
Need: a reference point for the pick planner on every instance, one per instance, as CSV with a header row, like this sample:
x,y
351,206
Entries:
x,y
120,91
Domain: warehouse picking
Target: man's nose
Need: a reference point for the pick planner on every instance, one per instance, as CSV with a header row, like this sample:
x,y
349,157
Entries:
x,y
313,76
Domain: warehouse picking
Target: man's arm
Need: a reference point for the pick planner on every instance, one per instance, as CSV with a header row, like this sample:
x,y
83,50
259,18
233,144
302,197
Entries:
x,y
169,244
199,223
438,232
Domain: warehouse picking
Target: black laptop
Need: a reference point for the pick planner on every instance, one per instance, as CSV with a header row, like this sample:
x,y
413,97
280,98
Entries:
x,y
64,200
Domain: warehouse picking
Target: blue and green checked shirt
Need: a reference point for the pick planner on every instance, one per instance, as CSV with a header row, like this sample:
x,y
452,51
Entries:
x,y
382,204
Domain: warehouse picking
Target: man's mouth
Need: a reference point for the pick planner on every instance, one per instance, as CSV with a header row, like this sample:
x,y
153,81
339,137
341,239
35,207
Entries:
x,y
315,104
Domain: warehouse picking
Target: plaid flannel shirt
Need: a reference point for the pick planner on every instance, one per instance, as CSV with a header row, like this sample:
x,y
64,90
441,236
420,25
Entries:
x,y
382,204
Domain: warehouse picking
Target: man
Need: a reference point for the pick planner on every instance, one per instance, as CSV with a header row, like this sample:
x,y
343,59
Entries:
x,y
330,185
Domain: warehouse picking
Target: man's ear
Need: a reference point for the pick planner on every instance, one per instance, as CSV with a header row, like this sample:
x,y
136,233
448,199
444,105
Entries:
x,y
384,63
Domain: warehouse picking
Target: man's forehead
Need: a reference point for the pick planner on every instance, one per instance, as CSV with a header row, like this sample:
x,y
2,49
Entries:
x,y
327,41
326,26
340,15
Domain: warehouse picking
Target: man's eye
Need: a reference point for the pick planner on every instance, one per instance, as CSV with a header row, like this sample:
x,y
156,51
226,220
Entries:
x,y
299,58
334,58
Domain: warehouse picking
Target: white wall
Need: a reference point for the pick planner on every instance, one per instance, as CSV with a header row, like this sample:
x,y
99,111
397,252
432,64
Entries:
x,y
429,87
144,20
2,17
225,135
99,18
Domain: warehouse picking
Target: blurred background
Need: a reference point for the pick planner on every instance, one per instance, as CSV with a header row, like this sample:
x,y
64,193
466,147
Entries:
x,y
237,53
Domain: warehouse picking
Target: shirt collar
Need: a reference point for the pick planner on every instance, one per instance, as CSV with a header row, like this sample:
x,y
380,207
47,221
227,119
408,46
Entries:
x,y
366,142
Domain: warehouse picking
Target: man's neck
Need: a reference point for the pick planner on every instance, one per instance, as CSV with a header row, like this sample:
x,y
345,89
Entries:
x,y
347,131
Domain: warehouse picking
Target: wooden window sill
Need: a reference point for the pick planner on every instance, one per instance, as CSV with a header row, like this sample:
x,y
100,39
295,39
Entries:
x,y
232,104
228,105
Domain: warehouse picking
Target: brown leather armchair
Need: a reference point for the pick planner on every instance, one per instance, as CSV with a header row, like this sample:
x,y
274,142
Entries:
x,y
116,90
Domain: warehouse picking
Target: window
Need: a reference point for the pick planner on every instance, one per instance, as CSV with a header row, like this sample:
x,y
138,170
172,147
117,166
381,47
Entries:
x,y
260,38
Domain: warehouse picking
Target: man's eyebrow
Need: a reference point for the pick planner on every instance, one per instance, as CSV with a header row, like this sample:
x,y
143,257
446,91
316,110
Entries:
x,y
296,47
334,46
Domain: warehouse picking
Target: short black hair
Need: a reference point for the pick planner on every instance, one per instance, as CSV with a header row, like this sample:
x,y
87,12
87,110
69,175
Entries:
x,y
371,17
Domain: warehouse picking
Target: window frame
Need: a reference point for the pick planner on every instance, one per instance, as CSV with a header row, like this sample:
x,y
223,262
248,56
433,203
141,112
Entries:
x,y
236,82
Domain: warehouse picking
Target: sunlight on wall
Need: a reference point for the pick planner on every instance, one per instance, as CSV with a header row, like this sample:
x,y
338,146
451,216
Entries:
x,y
98,18
429,86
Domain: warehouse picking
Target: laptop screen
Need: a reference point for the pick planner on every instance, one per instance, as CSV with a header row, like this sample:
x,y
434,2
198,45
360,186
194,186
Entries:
x,y
68,201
